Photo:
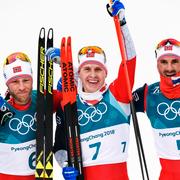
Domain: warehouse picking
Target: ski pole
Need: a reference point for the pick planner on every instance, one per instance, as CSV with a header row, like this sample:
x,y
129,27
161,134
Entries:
x,y
133,111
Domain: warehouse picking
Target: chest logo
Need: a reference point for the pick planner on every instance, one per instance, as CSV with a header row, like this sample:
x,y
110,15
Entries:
x,y
23,125
170,112
92,113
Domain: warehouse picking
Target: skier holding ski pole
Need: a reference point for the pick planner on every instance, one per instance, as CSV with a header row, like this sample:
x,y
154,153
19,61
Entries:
x,y
18,132
116,5
103,112
161,102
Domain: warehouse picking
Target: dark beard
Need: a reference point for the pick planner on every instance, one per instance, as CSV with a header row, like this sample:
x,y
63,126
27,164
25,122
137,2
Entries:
x,y
21,100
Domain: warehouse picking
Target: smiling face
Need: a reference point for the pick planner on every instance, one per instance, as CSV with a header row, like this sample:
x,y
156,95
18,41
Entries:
x,y
92,77
168,66
20,89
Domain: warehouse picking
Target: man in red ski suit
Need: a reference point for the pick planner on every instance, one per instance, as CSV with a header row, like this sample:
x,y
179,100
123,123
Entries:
x,y
103,111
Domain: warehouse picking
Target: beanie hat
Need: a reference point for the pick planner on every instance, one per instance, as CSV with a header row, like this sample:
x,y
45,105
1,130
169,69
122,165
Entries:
x,y
168,47
92,55
16,65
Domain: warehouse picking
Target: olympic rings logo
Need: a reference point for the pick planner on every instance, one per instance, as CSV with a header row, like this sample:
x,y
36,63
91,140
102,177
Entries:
x,y
91,114
24,125
170,112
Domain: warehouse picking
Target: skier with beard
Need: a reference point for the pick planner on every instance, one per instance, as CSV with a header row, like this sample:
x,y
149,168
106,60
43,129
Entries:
x,y
18,120
161,102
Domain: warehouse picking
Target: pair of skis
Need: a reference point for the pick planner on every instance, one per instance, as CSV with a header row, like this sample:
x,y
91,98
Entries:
x,y
69,106
44,116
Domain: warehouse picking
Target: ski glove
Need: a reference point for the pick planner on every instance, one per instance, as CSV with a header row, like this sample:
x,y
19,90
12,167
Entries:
x,y
5,114
70,173
61,157
59,84
53,54
117,9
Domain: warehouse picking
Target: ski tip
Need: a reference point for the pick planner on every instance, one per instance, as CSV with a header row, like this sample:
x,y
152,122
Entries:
x,y
69,40
63,40
50,29
42,30
50,33
42,33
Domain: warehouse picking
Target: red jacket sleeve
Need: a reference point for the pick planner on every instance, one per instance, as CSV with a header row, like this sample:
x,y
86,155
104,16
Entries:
x,y
119,86
57,97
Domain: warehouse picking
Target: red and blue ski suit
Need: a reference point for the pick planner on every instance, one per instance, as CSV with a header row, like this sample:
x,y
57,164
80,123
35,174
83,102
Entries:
x,y
163,114
104,128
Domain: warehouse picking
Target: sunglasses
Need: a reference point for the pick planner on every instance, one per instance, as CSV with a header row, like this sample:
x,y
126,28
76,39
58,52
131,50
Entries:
x,y
166,41
15,56
90,50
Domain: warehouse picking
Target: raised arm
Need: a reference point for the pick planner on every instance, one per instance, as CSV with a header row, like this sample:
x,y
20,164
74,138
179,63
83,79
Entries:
x,y
118,86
